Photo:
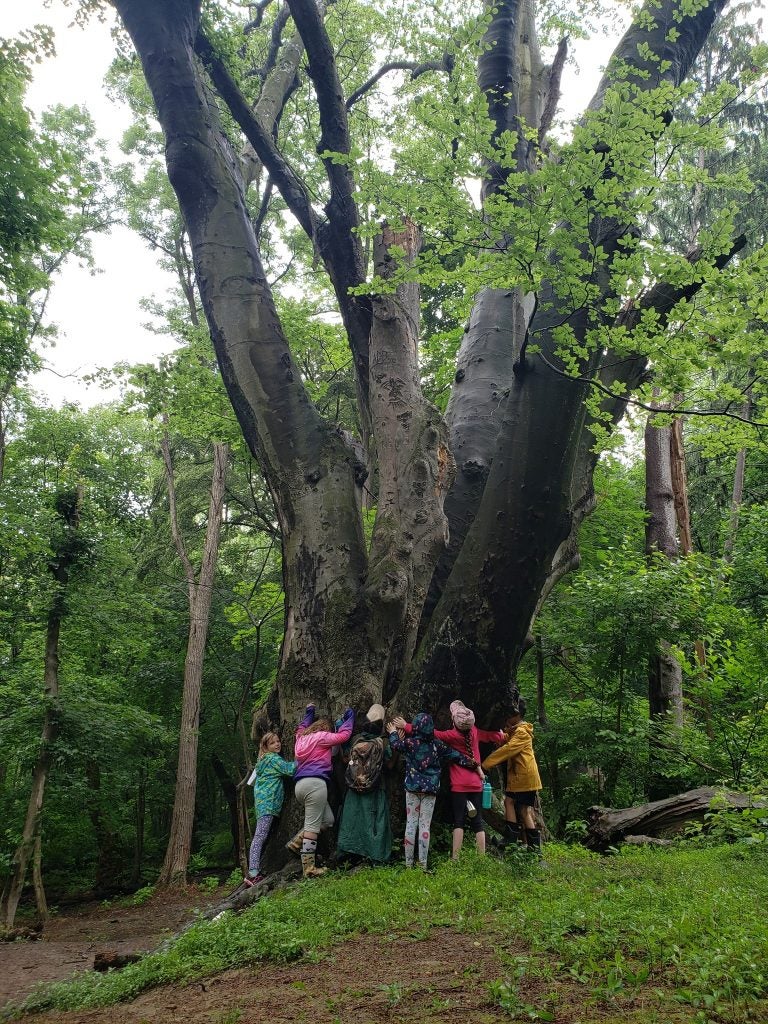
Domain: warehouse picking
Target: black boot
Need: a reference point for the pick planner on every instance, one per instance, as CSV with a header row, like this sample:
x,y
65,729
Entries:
x,y
533,837
513,834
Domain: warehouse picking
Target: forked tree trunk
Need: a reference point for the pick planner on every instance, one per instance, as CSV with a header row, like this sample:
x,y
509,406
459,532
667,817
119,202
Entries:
x,y
231,795
66,553
200,590
518,420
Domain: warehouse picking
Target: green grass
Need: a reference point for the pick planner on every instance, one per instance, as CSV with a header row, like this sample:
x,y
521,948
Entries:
x,y
687,925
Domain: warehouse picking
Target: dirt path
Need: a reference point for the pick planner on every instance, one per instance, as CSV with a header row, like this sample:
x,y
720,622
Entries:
x,y
75,936
365,980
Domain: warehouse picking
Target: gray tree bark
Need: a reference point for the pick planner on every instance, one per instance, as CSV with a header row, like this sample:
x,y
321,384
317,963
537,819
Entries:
x,y
665,676
200,593
517,421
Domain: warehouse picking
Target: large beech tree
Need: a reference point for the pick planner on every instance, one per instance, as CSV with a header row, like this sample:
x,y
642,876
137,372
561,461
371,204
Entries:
x,y
477,509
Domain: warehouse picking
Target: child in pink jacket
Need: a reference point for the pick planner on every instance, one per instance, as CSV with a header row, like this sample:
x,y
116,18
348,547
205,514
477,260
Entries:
x,y
313,753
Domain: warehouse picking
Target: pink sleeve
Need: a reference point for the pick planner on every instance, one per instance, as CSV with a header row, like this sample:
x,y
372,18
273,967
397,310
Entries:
x,y
446,735
490,735
407,728
343,733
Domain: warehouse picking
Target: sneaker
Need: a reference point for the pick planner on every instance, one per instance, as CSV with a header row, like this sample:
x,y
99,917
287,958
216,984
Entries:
x,y
471,809
249,881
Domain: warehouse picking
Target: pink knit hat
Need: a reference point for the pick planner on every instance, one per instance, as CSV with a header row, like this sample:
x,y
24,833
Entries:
x,y
463,717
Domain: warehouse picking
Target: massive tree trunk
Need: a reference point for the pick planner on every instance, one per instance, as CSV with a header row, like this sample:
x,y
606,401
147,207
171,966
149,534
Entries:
x,y
67,549
517,420
200,593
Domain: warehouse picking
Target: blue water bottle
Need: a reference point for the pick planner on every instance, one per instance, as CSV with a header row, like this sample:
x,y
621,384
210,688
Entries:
x,y
487,795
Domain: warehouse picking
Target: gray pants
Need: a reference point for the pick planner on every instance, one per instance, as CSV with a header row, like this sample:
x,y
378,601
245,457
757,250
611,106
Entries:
x,y
312,794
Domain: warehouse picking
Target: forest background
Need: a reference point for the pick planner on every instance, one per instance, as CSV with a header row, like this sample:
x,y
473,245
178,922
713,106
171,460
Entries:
x,y
119,521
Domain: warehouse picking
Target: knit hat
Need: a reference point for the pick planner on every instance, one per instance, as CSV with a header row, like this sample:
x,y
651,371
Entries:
x,y
463,717
376,713
423,724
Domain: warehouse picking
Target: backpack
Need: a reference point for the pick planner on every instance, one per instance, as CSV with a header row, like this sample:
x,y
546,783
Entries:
x,y
366,762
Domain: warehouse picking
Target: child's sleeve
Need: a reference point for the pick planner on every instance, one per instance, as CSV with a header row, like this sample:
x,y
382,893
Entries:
x,y
286,767
395,742
307,720
509,749
449,754
490,735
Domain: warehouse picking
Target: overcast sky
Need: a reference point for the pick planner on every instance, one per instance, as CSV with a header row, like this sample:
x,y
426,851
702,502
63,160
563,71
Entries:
x,y
99,315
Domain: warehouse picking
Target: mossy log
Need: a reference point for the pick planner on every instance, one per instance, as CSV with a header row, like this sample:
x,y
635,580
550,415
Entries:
x,y
608,826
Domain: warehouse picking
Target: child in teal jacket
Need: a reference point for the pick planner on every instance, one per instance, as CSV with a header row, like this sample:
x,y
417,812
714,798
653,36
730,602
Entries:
x,y
267,780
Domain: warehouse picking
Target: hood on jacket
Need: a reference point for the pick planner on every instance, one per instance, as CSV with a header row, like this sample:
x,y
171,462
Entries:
x,y
423,724
521,727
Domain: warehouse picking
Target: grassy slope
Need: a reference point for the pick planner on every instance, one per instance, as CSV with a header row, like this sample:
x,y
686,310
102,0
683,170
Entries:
x,y
686,928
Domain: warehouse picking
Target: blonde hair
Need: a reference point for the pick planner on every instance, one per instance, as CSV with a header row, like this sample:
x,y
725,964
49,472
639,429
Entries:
x,y
264,742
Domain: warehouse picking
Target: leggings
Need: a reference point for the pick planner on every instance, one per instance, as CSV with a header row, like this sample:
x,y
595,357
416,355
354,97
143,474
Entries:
x,y
418,808
263,825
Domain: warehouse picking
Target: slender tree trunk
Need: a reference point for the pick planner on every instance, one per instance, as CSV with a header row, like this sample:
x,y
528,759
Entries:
x,y
41,903
108,859
140,818
665,678
174,869
737,494
230,792
541,708
67,552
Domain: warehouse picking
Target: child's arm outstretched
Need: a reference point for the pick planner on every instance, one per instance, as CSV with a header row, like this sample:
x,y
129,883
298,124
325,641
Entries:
x,y
517,742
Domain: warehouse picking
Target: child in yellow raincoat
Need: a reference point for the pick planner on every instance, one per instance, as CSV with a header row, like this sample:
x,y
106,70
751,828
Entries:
x,y
523,779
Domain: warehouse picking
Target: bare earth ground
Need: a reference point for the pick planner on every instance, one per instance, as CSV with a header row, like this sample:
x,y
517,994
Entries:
x,y
73,937
368,979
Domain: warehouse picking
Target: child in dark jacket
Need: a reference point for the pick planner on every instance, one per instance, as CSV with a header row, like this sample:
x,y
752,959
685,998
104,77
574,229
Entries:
x,y
424,757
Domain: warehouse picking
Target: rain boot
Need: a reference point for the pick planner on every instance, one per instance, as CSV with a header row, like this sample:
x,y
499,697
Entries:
x,y
308,868
294,845
513,834
533,837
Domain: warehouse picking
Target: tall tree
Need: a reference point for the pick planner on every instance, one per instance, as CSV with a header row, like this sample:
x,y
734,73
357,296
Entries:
x,y
68,548
564,313
200,585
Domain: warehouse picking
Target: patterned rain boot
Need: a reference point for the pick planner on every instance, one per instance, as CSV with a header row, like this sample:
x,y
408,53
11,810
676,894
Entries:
x,y
308,868
294,845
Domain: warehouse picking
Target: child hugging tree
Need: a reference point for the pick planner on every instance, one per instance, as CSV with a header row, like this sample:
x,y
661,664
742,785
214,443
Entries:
x,y
523,779
267,780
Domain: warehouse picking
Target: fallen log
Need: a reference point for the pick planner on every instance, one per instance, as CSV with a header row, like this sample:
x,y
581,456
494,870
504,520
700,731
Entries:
x,y
607,826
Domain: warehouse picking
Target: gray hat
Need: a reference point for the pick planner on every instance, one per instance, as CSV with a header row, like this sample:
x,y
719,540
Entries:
x,y
376,713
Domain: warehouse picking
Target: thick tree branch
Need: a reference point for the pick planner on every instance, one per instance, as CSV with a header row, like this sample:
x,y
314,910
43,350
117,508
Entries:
x,y
291,187
416,69
414,463
553,90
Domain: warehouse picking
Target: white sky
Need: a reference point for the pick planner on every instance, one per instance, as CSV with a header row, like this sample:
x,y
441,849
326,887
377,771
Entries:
x,y
98,315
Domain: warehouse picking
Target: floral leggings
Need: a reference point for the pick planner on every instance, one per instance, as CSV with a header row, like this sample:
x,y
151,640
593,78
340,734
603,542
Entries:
x,y
263,825
418,808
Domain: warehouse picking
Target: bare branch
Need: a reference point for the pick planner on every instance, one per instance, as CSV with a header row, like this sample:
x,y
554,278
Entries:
x,y
417,70
255,23
553,90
